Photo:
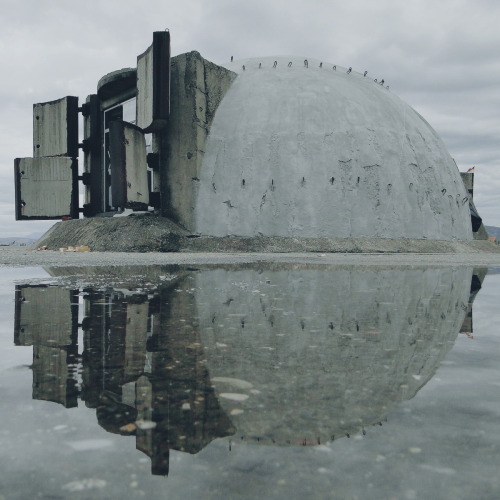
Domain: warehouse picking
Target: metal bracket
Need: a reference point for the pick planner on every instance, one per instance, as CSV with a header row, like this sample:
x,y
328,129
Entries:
x,y
84,109
153,161
85,178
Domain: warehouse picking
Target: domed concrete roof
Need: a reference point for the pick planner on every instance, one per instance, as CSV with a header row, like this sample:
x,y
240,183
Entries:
x,y
314,151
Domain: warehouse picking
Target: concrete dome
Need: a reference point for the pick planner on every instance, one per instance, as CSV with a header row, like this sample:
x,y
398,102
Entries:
x,y
317,152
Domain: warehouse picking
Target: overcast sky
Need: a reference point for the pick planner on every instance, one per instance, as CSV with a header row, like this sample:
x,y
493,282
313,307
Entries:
x,y
441,57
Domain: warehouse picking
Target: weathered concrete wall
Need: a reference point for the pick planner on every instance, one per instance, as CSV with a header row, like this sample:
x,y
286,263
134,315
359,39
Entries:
x,y
197,88
129,184
45,187
316,152
468,180
55,128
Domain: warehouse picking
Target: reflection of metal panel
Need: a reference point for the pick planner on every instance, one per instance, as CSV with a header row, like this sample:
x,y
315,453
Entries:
x,y
46,188
153,84
55,128
129,175
44,316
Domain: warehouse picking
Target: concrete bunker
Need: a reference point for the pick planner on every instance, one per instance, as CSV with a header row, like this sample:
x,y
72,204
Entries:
x,y
269,147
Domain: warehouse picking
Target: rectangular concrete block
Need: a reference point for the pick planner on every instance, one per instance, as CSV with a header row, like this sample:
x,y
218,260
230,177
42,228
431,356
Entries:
x,y
129,175
197,88
153,84
55,128
46,188
468,180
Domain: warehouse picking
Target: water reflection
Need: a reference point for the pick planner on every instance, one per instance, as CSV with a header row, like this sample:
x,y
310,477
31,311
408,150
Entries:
x,y
286,356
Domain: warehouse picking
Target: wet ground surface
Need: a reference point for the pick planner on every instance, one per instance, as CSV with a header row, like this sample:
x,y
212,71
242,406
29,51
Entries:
x,y
23,256
252,379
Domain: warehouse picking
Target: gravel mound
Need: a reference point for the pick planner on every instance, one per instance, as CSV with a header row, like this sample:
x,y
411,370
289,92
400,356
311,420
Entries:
x,y
150,233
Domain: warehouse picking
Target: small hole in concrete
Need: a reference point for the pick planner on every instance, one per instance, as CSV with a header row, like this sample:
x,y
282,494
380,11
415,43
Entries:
x,y
332,180
38,146
37,117
189,155
243,183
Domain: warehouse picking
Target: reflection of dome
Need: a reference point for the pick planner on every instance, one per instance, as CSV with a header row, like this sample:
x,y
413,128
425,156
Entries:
x,y
308,354
317,152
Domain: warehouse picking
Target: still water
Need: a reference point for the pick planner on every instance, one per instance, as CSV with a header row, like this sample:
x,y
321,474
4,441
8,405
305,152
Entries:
x,y
261,381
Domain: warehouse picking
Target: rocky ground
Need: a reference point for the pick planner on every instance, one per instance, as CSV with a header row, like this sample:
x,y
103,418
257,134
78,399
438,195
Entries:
x,y
150,240
149,233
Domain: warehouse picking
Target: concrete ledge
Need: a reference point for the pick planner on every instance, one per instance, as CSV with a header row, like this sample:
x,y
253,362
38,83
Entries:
x,y
334,245
149,233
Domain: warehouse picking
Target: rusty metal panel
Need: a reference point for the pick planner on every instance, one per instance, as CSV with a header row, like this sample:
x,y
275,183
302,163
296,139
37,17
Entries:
x,y
46,188
55,128
129,174
153,84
